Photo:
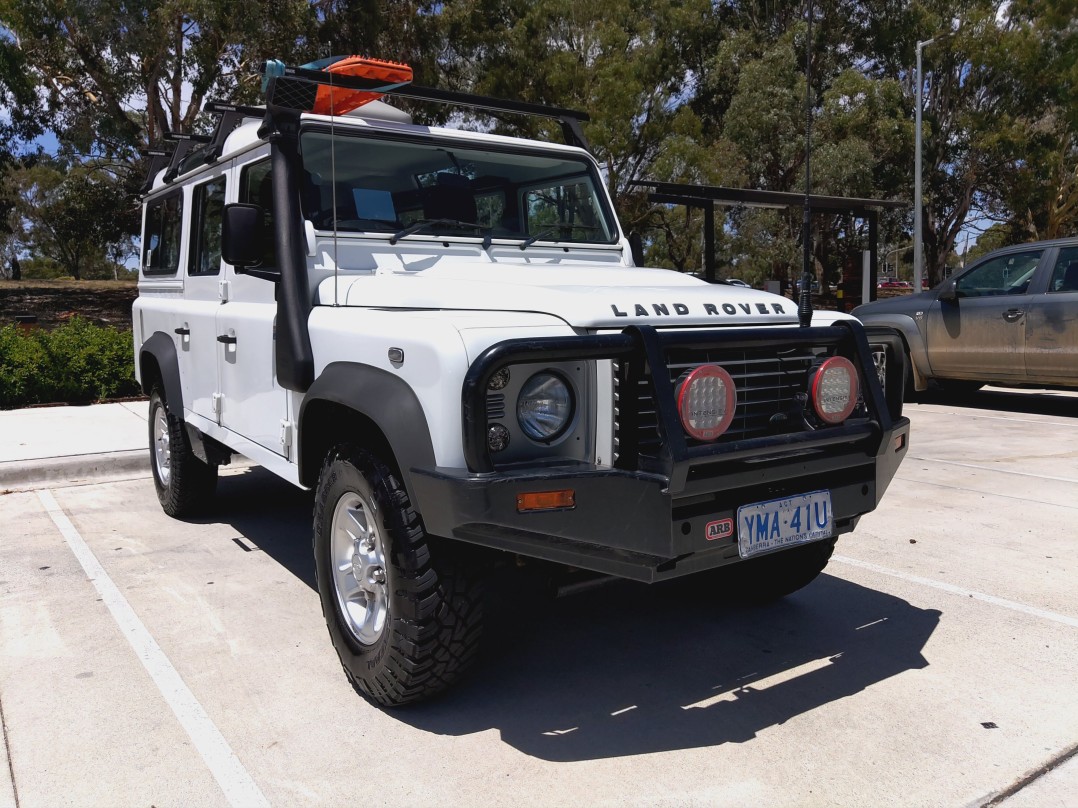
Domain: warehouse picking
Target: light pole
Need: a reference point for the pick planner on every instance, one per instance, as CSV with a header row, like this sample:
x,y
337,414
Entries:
x,y
918,246
892,252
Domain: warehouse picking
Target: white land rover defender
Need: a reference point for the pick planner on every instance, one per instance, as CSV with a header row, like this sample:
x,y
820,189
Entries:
x,y
445,334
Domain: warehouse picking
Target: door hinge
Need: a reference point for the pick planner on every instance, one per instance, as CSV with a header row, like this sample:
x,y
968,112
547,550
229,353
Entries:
x,y
222,290
286,434
216,404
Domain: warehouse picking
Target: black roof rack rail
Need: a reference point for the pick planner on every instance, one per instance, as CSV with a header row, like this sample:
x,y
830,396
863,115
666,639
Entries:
x,y
159,158
184,144
289,91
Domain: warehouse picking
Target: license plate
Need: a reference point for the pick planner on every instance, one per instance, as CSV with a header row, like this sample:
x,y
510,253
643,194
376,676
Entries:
x,y
766,526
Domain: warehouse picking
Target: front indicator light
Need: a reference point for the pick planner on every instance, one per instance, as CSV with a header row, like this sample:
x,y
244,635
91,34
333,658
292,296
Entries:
x,y
546,501
706,400
833,390
497,438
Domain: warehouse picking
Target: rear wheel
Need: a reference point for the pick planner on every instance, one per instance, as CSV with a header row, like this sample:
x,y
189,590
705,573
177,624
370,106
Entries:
x,y
184,484
403,611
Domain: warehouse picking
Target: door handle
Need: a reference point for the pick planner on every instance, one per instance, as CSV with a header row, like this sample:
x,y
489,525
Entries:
x,y
183,332
226,339
1013,315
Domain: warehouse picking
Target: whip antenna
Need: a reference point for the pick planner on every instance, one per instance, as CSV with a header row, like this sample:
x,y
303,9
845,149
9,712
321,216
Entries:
x,y
804,302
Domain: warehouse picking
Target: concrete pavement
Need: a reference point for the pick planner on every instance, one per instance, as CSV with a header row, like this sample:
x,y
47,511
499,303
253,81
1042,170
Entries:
x,y
68,445
933,664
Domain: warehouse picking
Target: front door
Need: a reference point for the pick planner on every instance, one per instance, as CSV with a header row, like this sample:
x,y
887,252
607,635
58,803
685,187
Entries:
x,y
202,290
982,334
253,405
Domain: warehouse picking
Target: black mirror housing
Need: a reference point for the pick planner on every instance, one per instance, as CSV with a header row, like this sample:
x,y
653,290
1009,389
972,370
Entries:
x,y
947,292
242,235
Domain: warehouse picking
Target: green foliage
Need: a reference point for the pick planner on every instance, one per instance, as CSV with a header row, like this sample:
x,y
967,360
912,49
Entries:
x,y
75,363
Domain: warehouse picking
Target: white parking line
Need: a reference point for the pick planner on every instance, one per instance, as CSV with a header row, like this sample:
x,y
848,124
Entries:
x,y
239,788
991,468
958,590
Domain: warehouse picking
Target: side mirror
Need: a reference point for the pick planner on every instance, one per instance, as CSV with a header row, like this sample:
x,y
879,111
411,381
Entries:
x,y
948,293
242,236
636,248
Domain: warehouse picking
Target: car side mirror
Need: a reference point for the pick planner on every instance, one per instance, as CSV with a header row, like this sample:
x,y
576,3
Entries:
x,y
242,235
948,293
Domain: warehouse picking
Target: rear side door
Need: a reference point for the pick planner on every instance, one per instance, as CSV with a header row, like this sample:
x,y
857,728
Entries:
x,y
982,334
1052,324
199,347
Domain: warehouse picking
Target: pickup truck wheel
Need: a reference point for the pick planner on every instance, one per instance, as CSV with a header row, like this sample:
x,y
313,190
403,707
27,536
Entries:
x,y
184,483
404,614
770,577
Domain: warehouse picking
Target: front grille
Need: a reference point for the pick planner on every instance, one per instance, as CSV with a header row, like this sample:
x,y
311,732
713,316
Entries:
x,y
771,392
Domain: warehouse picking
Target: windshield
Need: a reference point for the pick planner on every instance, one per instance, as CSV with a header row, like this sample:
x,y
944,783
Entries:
x,y
386,186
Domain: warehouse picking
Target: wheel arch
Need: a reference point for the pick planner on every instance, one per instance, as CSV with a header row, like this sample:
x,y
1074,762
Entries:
x,y
906,327
350,402
158,363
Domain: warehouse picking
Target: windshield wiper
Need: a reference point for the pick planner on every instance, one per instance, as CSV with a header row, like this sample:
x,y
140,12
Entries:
x,y
530,240
423,224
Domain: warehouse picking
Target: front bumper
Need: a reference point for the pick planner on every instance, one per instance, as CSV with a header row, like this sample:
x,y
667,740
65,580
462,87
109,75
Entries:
x,y
629,524
646,517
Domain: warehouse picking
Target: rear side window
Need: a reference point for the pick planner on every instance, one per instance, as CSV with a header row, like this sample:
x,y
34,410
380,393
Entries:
x,y
161,237
208,200
256,188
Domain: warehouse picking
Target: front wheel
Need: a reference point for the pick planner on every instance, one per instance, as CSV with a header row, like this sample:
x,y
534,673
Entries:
x,y
403,613
184,484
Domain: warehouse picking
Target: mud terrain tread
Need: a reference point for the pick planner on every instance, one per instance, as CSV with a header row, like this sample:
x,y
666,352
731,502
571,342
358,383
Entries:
x,y
191,482
436,603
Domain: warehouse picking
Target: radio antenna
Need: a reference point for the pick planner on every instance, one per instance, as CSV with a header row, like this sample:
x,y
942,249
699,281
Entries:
x,y
804,302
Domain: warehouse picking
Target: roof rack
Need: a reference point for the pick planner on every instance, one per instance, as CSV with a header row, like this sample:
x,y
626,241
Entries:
x,y
294,88
191,150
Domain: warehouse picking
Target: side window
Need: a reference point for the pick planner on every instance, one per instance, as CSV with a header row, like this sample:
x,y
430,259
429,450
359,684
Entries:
x,y
256,188
1065,274
1006,275
207,202
161,237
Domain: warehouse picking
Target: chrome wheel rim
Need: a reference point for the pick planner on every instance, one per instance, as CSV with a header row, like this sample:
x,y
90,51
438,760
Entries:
x,y
359,568
879,359
162,453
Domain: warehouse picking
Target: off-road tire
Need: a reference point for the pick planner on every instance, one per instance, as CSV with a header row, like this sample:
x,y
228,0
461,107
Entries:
x,y
434,589
768,578
187,486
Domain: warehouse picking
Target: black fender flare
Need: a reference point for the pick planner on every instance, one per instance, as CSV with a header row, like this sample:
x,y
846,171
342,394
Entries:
x,y
384,399
161,347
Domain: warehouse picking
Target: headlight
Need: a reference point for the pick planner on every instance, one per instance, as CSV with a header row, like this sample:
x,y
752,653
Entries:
x,y
545,407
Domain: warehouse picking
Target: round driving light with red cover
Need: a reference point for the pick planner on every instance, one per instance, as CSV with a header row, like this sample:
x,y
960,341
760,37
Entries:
x,y
705,401
834,390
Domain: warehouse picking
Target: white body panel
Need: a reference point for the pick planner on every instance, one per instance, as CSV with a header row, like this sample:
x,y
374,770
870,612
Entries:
x,y
442,300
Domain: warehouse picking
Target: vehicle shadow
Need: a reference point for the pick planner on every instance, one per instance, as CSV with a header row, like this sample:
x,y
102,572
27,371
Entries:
x,y
1027,401
632,669
627,668
270,515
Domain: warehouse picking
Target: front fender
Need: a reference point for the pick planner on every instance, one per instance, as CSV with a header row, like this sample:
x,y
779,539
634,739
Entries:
x,y
382,400
906,326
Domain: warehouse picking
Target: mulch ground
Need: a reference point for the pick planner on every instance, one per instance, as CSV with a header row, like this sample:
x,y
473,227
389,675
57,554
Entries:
x,y
53,302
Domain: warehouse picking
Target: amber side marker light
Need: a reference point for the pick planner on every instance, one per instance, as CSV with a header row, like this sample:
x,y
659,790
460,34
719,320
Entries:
x,y
546,500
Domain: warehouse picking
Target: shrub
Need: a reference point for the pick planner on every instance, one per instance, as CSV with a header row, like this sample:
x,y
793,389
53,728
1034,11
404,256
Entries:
x,y
75,363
